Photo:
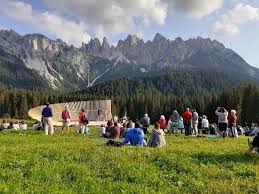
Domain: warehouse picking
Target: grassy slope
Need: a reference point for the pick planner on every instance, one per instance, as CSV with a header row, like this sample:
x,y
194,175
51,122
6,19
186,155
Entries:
x,y
79,164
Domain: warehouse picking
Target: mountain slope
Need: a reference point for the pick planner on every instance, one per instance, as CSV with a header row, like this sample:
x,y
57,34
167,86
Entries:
x,y
189,83
61,66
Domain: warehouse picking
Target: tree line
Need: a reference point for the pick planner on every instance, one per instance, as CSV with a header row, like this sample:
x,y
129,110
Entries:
x,y
17,102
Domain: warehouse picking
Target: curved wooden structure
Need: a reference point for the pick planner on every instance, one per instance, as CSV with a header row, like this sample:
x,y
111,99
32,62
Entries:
x,y
98,111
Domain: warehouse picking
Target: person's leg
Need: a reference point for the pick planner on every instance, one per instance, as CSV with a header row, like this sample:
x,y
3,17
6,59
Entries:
x,y
189,128
195,128
82,128
186,129
46,126
63,126
51,126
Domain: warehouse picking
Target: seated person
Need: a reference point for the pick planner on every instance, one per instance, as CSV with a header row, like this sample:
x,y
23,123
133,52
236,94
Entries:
x,y
157,138
103,130
254,146
212,129
5,125
37,126
250,130
180,124
135,136
240,130
23,126
124,130
16,126
255,132
114,132
109,127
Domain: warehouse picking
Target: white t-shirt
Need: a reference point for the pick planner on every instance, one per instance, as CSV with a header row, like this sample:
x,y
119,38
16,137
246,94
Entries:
x,y
23,126
205,123
6,125
16,126
255,131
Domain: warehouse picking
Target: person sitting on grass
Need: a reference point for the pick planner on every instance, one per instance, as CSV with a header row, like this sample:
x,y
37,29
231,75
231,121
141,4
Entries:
x,y
16,125
23,126
6,124
205,124
157,138
254,145
181,124
124,130
113,133
37,126
135,136
255,132
173,122
162,122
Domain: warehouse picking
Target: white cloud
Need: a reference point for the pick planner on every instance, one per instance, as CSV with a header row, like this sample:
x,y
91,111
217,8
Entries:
x,y
111,17
227,25
196,8
69,31
243,13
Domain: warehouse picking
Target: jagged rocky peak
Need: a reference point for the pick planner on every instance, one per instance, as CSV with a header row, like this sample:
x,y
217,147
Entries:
x,y
39,42
159,38
105,43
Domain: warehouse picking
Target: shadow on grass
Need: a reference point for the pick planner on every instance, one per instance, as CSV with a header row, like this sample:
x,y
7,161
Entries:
x,y
225,158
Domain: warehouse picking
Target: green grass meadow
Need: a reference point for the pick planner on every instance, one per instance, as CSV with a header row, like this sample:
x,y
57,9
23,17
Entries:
x,y
33,163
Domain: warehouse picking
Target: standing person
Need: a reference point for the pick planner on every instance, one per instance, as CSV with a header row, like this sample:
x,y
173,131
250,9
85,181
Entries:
x,y
83,121
200,125
173,122
47,119
205,124
195,121
162,122
145,122
66,119
232,124
222,114
187,119
157,138
181,124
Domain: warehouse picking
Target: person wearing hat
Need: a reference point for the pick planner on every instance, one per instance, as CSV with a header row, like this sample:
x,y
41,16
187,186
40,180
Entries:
x,y
47,119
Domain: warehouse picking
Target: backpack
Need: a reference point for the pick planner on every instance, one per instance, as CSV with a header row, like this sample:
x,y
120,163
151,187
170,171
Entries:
x,y
85,119
114,143
65,115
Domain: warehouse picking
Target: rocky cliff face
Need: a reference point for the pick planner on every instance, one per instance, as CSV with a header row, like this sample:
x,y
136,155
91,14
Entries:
x,y
63,66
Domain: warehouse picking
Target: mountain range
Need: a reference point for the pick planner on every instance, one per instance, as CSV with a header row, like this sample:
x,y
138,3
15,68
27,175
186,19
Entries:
x,y
35,61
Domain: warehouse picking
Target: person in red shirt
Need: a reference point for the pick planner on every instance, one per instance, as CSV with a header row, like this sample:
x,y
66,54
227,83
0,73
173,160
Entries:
x,y
115,133
162,122
187,118
83,121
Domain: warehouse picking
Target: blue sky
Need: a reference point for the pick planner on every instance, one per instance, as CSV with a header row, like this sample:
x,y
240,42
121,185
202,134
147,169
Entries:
x,y
232,22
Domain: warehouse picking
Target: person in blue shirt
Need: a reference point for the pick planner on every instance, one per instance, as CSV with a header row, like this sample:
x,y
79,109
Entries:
x,y
47,119
135,136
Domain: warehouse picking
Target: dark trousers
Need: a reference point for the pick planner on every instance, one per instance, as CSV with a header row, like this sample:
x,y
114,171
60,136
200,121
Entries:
x,y
187,127
145,129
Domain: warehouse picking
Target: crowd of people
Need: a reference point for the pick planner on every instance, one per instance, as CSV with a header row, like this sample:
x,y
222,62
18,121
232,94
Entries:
x,y
13,125
188,123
